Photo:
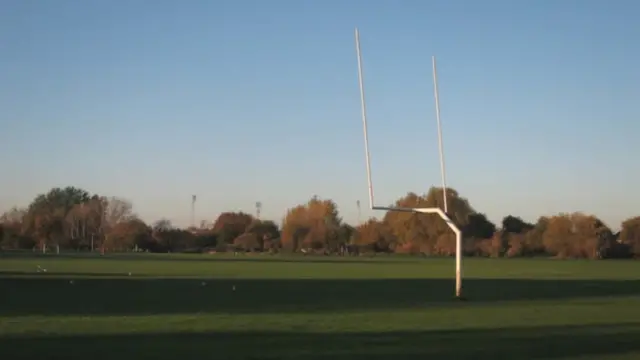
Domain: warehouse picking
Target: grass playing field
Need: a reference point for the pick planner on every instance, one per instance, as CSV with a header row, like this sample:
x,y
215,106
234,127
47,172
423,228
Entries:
x,y
271,307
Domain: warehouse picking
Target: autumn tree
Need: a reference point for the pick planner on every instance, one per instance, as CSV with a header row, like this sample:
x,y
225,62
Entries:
x,y
264,229
248,242
14,215
266,234
73,218
205,238
630,235
427,233
11,235
375,235
515,225
576,235
314,225
346,233
260,234
512,239
169,238
84,223
230,225
533,242
46,215
479,227
12,238
129,234
295,228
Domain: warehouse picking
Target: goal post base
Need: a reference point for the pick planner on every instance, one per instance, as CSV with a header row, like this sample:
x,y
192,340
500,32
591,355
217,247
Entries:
x,y
452,226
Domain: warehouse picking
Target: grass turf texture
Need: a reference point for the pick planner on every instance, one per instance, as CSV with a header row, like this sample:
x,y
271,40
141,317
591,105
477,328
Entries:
x,y
315,308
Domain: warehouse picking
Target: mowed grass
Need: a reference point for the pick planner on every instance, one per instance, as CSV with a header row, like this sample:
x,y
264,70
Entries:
x,y
276,307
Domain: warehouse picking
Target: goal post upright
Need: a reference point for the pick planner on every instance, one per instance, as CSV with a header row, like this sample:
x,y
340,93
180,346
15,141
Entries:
x,y
442,214
363,108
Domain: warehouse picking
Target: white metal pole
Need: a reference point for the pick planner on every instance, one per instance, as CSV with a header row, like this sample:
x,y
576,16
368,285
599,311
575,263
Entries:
x,y
458,264
456,231
364,119
440,148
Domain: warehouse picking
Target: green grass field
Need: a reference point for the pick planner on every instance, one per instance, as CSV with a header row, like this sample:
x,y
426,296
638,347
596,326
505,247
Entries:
x,y
185,307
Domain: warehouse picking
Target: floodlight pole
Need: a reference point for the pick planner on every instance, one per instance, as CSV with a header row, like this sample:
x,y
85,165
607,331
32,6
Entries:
x,y
443,214
193,211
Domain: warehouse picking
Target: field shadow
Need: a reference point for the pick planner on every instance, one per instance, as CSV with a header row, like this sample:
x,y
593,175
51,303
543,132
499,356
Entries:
x,y
229,257
139,296
509,343
62,274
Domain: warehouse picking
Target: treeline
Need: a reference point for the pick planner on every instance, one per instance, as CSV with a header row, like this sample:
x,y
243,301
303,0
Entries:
x,y
73,219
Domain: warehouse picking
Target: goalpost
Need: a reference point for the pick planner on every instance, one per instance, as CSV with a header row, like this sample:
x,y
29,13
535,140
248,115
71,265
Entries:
x,y
443,214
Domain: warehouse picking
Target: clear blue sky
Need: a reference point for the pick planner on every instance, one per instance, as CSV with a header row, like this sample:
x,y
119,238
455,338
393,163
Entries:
x,y
243,101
